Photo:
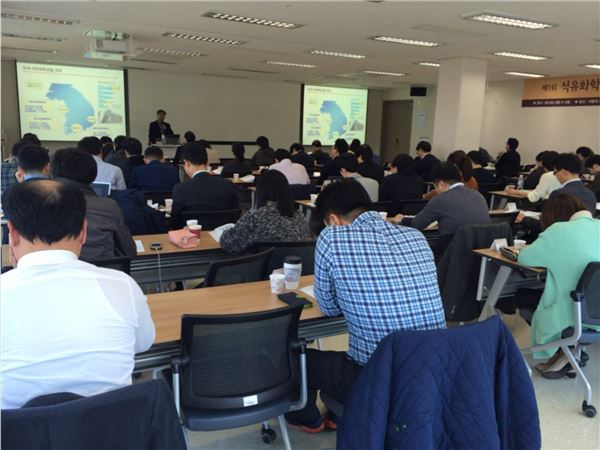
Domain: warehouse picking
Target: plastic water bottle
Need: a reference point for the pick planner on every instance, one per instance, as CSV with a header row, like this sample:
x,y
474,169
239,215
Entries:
x,y
163,139
520,182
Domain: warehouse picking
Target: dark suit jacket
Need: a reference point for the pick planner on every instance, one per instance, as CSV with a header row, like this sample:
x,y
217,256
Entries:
x,y
532,180
320,157
398,187
330,169
509,164
154,177
204,192
154,132
371,170
127,165
578,189
484,176
234,166
424,165
304,159
263,157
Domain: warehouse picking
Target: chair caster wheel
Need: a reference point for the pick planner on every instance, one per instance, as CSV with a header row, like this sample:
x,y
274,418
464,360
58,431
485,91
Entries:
x,y
268,435
588,410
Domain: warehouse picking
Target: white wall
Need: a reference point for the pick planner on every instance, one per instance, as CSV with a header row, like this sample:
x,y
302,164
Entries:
x,y
547,128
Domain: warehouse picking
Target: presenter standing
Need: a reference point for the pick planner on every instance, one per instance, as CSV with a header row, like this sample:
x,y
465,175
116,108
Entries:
x,y
159,128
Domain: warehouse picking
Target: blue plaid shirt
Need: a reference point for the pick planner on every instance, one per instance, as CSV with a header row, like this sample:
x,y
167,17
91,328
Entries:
x,y
381,277
8,174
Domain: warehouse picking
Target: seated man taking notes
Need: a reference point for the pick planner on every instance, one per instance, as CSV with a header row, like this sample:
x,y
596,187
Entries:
x,y
67,326
380,277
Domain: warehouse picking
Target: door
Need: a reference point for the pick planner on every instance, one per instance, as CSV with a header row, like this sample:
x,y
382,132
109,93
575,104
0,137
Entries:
x,y
396,125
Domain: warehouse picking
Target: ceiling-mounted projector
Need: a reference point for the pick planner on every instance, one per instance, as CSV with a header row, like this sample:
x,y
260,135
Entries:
x,y
107,45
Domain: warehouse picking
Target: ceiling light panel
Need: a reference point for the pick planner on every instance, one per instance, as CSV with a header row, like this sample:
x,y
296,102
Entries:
x,y
169,51
397,40
291,64
50,20
509,21
521,56
252,20
391,74
337,54
525,74
199,38
592,66
428,64
33,36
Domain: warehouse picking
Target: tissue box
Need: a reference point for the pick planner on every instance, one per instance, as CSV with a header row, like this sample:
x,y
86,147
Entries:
x,y
183,238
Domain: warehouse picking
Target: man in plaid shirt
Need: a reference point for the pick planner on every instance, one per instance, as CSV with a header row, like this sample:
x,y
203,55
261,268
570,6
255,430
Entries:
x,y
380,277
9,167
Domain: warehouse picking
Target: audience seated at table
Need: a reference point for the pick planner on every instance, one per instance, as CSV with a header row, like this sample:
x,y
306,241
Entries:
x,y
584,153
239,164
299,156
67,326
547,184
204,192
107,234
117,156
188,137
295,173
481,174
366,167
107,145
107,173
317,154
154,176
380,277
133,152
331,168
569,241
9,167
533,178
425,161
274,219
454,206
349,169
567,168
402,184
508,163
34,163
593,166
265,155
460,159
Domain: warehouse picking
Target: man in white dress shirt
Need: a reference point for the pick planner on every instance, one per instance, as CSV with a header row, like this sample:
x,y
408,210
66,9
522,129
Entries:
x,y
66,325
107,173
295,173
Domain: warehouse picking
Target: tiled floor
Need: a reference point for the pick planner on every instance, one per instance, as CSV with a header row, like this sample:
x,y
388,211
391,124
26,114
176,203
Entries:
x,y
564,427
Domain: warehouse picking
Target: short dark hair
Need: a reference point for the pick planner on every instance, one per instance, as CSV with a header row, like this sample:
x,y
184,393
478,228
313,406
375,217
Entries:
x,y
105,140
341,146
476,157
548,159
348,161
513,143
195,153
584,152
366,153
569,162
424,145
158,111
594,159
154,152
281,154
33,158
404,163
205,143
316,143
460,159
355,145
32,138
73,164
262,141
46,210
296,147
90,144
132,146
560,208
119,141
20,144
346,197
189,136
238,150
540,156
446,172
273,186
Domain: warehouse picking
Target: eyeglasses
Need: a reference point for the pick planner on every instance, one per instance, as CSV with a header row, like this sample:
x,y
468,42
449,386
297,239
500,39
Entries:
x,y
556,171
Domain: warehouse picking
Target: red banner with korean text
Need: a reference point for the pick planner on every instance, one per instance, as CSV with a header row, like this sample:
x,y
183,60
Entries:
x,y
581,90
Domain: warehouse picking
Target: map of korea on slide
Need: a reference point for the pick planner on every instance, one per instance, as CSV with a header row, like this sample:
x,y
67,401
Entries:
x,y
338,118
79,108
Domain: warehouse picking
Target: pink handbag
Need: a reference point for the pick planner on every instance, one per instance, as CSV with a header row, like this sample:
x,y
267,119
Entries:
x,y
183,238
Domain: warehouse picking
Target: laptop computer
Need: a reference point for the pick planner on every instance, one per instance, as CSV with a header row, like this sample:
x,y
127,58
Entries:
x,y
102,189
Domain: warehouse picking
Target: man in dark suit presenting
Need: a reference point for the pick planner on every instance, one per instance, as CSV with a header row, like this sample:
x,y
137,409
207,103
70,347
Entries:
x,y
204,192
159,127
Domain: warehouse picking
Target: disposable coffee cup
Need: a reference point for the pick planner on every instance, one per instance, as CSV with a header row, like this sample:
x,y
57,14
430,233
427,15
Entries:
x,y
292,269
277,283
236,176
168,203
195,229
313,198
383,215
189,223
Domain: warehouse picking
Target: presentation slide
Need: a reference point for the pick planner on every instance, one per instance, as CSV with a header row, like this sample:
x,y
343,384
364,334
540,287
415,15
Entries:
x,y
329,113
67,103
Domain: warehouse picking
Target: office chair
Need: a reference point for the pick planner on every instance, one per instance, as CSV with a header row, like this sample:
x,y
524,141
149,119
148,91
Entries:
x,y
213,219
586,310
281,249
302,191
122,263
238,370
241,269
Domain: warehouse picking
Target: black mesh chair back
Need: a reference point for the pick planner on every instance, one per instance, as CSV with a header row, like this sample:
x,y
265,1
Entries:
x,y
380,206
409,207
213,219
508,218
588,290
303,249
241,269
122,264
302,191
228,360
157,197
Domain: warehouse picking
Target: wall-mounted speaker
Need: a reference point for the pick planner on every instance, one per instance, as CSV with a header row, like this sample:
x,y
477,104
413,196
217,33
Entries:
x,y
416,91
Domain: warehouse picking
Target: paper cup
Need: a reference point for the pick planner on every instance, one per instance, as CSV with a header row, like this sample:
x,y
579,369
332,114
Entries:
x,y
189,223
168,203
277,283
292,269
313,198
236,176
383,215
196,229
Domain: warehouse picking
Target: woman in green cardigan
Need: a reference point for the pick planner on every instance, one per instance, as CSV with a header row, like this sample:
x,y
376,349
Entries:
x,y
570,240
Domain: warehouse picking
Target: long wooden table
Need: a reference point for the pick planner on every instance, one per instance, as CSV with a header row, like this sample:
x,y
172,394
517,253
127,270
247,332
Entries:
x,y
167,309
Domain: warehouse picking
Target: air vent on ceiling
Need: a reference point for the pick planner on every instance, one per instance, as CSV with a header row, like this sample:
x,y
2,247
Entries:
x,y
33,36
238,69
152,61
36,50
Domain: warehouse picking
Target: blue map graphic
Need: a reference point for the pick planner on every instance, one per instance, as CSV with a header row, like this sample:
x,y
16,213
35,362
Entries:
x,y
338,118
79,107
